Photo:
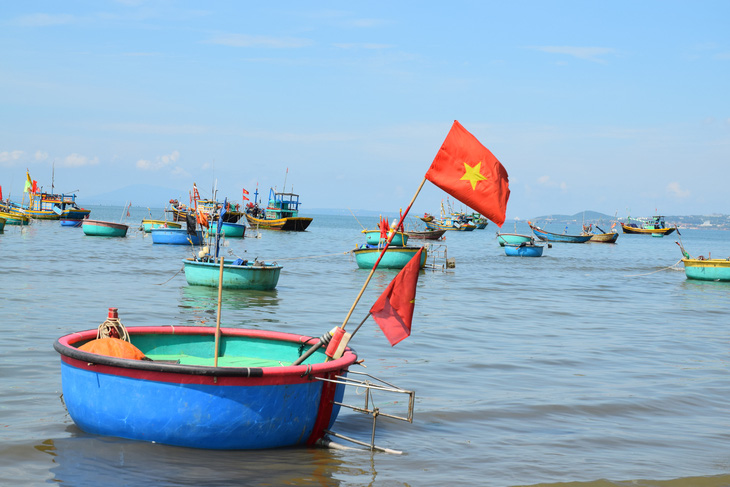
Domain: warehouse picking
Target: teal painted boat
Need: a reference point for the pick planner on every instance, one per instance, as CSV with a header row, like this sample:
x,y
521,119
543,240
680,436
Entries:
x,y
395,257
373,238
12,217
98,228
228,229
705,269
2,224
237,274
149,224
513,239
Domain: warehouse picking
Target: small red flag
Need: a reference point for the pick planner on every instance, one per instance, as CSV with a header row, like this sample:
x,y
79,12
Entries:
x,y
469,172
393,311
244,191
1,193
35,186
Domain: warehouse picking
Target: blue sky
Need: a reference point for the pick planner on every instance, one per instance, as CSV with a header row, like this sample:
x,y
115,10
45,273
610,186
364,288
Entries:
x,y
609,106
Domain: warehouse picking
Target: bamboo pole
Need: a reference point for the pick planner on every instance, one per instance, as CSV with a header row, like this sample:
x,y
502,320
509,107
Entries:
x,y
218,316
367,281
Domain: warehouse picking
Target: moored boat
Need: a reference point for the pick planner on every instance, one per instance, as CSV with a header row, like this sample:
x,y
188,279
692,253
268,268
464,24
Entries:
x,y
236,274
228,229
427,234
557,237
2,224
513,239
182,392
705,269
98,228
71,223
14,218
395,257
373,237
523,250
176,236
281,213
148,224
647,226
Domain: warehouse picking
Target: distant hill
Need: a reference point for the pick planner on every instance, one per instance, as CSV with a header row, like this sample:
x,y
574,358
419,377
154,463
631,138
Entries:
x,y
588,216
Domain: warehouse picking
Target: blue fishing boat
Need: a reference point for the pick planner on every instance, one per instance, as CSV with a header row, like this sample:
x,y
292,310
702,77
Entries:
x,y
237,274
71,223
98,228
395,257
557,237
174,387
176,236
523,250
513,239
281,212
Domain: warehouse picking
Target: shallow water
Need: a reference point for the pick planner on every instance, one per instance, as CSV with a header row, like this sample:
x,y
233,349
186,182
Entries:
x,y
597,364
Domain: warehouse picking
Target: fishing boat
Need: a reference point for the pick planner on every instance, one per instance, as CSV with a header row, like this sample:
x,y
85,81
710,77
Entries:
x,y
71,223
513,239
148,224
281,213
557,237
176,236
395,257
374,237
13,217
427,234
184,386
523,250
236,274
647,226
2,224
229,230
603,237
446,223
98,228
705,269
53,206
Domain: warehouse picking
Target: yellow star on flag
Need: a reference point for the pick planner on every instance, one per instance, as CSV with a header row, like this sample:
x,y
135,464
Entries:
x,y
473,174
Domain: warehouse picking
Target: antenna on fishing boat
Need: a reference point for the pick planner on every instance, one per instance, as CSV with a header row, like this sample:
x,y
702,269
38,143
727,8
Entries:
x,y
283,189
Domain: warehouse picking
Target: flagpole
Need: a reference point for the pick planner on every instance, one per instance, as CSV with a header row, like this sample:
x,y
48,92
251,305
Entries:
x,y
325,338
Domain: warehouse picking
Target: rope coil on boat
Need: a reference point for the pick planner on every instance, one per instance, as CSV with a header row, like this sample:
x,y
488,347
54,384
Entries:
x,y
113,327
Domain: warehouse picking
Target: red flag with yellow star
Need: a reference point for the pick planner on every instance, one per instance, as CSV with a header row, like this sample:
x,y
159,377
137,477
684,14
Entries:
x,y
393,311
469,172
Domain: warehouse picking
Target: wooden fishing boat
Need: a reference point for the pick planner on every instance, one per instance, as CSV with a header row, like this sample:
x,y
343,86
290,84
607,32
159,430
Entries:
x,y
148,224
53,206
610,237
705,269
373,237
427,234
523,250
395,257
281,213
237,274
234,230
647,226
513,239
176,236
98,228
2,224
12,217
450,223
182,393
557,237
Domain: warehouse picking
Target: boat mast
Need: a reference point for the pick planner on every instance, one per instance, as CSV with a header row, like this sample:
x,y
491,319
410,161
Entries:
x,y
283,190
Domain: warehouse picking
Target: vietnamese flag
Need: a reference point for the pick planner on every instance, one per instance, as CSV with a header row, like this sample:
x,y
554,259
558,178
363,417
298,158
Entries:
x,y
393,311
469,172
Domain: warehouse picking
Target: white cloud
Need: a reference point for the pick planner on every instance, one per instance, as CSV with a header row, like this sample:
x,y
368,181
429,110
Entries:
x,y
77,160
549,183
44,20
586,53
11,156
40,156
675,190
160,162
243,40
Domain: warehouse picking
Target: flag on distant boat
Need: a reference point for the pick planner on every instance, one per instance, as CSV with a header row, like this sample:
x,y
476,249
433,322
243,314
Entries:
x,y
1,193
244,195
28,183
469,172
393,311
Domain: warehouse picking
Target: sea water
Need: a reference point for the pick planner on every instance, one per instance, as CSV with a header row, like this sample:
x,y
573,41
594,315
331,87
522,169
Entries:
x,y
598,364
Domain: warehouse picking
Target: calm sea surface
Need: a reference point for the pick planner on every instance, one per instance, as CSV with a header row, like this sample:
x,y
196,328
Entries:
x,y
595,365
